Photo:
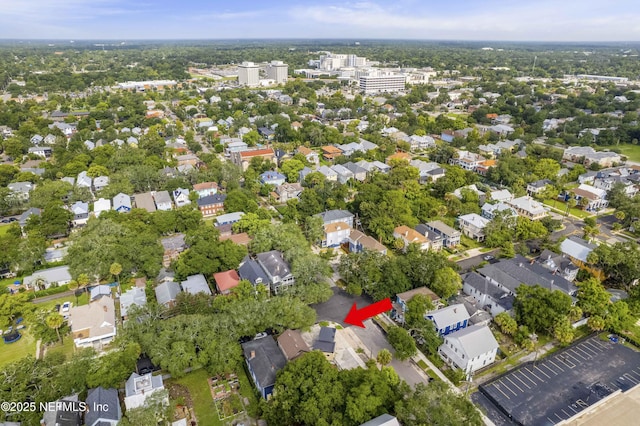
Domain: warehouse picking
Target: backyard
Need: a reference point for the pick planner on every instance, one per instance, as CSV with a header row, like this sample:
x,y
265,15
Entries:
x,y
561,208
10,352
632,152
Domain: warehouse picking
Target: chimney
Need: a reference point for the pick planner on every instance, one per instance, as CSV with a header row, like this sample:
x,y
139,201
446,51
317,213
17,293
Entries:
x,y
406,233
252,355
105,308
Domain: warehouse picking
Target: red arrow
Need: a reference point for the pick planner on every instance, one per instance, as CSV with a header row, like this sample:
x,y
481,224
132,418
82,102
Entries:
x,y
357,316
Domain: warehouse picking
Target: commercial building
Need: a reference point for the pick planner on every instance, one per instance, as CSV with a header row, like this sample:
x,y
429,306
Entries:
x,y
248,74
277,71
376,83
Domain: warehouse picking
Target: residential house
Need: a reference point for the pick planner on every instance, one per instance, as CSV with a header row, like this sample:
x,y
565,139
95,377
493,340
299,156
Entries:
x,y
538,186
399,156
303,174
20,190
226,281
251,271
292,344
229,218
122,203
138,388
596,198
90,145
497,282
264,359
470,349
166,293
447,135
98,291
50,139
311,156
435,240
528,207
211,205
24,217
559,263
173,246
287,191
181,197
335,234
272,178
449,319
577,249
374,166
326,342
243,158
333,216
359,173
266,133
410,236
84,181
486,294
382,420
421,142
205,189
450,237
36,139
328,173
66,411
501,196
134,296
467,160
41,151
100,182
195,284
458,193
101,205
344,174
607,183
144,201
428,172
491,210
277,270
235,146
93,325
400,305
162,200
472,225
588,156
103,407
358,242
45,278
330,152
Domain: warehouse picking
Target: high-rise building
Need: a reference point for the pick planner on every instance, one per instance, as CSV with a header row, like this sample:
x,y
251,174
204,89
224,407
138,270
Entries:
x,y
382,83
278,71
249,74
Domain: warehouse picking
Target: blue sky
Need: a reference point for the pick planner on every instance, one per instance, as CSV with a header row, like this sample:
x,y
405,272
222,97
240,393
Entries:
x,y
544,20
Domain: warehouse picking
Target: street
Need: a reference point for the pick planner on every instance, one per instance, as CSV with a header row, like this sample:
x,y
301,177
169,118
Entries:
x,y
466,265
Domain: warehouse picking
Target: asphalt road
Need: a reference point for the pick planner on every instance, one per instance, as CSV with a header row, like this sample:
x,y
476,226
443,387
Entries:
x,y
466,265
337,308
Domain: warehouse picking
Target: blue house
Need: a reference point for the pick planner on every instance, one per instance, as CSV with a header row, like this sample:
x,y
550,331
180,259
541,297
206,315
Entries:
x,y
449,319
272,178
264,359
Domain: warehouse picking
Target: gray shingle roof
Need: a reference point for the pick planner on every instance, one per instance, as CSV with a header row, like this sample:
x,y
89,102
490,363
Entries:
x,y
107,398
480,283
335,215
167,291
273,263
267,360
195,284
251,271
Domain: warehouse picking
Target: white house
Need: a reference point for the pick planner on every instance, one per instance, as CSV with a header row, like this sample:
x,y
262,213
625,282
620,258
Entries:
x,y
335,234
470,349
472,225
528,207
181,197
101,205
138,388
93,325
450,319
411,236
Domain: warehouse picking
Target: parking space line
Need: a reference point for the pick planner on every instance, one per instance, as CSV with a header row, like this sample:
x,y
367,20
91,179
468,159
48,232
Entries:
x,y
630,378
561,419
514,384
495,385
600,344
634,373
566,414
577,354
551,421
514,375
508,387
589,356
574,410
555,365
564,360
587,347
568,354
538,368
534,375
554,372
528,378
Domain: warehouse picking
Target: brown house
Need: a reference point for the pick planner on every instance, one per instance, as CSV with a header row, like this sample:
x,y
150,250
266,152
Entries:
x,y
330,152
292,345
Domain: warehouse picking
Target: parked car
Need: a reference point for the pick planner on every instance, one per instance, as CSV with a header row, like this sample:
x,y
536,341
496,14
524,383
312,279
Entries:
x,y
488,257
65,307
260,335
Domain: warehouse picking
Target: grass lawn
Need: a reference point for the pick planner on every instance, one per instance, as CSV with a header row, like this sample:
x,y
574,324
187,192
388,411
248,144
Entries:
x,y
10,352
4,229
632,152
561,207
82,300
469,243
8,282
203,404
67,348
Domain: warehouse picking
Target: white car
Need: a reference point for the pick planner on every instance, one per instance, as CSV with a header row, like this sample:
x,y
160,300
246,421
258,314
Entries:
x,y
65,307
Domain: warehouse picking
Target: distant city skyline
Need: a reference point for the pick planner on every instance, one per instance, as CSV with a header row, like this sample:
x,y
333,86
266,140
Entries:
x,y
499,20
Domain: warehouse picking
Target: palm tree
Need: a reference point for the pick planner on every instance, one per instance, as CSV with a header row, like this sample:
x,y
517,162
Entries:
x,y
83,281
55,321
115,269
620,215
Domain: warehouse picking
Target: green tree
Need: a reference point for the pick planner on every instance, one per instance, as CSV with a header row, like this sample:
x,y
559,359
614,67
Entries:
x,y
620,262
563,331
538,308
55,321
593,298
507,324
313,229
384,357
596,323
436,404
291,168
446,282
155,411
240,200
402,342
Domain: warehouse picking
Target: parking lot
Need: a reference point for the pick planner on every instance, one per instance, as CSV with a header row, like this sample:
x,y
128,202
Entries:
x,y
561,385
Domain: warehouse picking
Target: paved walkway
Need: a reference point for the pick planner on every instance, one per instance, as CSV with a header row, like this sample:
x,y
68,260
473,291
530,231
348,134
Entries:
x,y
49,298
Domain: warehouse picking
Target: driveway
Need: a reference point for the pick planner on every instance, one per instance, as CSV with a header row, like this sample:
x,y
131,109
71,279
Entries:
x,y
337,308
466,265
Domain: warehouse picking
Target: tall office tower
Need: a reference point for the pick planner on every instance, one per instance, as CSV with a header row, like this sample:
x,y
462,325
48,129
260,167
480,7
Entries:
x,y
248,74
278,71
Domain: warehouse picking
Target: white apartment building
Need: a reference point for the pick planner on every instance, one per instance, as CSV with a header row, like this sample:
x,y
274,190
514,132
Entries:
x,y
376,83
248,74
277,71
